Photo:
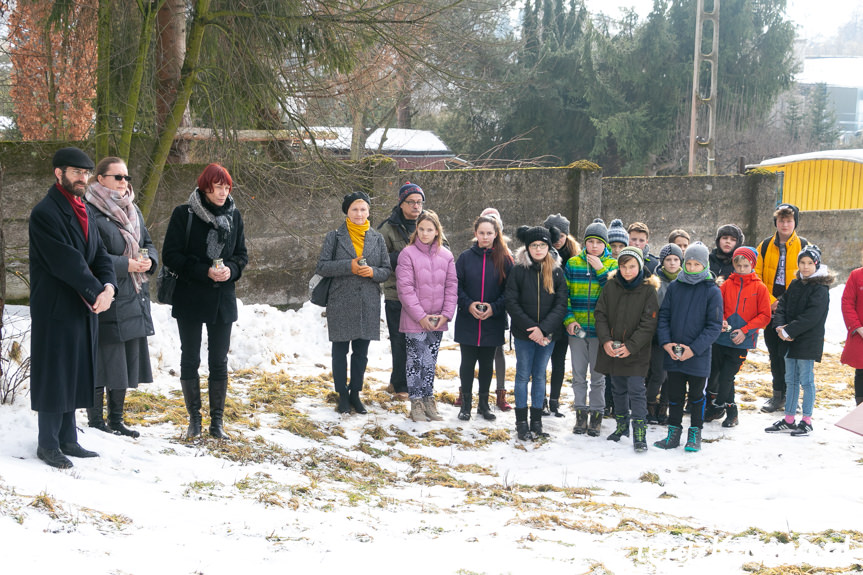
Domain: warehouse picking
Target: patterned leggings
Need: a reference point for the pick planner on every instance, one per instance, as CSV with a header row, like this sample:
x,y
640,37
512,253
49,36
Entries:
x,y
422,349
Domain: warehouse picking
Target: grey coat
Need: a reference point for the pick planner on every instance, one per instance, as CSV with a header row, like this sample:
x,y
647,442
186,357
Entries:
x,y
354,304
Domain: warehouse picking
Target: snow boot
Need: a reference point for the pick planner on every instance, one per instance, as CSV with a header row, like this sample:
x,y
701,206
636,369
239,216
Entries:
x,y
672,440
730,415
116,400
536,414
693,440
595,424
580,422
418,410
622,428
501,400
218,392
554,406
482,408
431,409
192,398
775,403
639,435
464,411
521,427
713,412
95,417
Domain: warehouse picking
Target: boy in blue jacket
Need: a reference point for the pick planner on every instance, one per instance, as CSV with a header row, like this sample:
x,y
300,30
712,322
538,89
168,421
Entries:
x,y
690,320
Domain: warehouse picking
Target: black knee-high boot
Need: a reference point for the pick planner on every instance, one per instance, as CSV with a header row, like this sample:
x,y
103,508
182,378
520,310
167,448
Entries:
x,y
95,416
192,397
218,392
116,400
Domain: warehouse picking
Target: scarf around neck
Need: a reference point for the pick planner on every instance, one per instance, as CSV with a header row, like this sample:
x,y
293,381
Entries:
x,y
685,277
357,235
78,207
219,218
120,210
632,284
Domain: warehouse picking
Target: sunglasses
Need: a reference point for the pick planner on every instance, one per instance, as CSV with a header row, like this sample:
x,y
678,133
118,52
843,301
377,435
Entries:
x,y
118,177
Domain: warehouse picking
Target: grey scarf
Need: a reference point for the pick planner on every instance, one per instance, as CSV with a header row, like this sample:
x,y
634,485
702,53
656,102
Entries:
x,y
221,223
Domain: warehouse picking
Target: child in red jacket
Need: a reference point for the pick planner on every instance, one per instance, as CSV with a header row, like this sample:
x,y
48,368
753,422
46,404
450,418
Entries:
x,y
746,304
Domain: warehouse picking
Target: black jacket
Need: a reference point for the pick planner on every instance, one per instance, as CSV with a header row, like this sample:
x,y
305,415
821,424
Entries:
x,y
529,304
196,296
802,309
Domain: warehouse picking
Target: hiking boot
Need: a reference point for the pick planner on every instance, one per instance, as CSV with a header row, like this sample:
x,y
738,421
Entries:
x,y
775,403
803,429
536,414
713,412
580,422
781,426
431,409
730,415
554,406
621,429
672,440
501,400
639,435
693,439
418,411
595,423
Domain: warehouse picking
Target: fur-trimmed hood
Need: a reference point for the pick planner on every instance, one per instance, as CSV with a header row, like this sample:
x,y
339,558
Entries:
x,y
522,258
822,276
651,280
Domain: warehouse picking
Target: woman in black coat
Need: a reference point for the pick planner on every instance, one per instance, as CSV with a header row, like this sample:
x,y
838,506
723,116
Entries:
x,y
206,247
123,357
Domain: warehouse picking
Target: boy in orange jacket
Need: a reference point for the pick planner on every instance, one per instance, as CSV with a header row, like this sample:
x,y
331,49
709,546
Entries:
x,y
746,304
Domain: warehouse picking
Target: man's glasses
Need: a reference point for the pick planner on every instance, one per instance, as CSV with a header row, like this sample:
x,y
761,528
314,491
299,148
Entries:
x,y
118,177
414,202
78,173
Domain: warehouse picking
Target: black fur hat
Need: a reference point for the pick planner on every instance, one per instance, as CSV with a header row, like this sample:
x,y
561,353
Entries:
x,y
527,235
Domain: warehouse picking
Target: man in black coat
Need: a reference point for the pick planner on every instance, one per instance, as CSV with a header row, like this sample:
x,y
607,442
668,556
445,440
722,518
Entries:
x,y
71,280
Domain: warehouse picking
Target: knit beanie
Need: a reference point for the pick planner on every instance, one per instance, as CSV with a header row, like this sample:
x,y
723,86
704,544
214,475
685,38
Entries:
x,y
558,221
617,233
597,230
749,253
730,230
528,235
794,209
409,189
631,252
670,250
352,197
493,213
811,251
699,253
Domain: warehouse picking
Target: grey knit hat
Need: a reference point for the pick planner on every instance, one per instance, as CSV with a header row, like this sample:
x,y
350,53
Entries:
x,y
597,230
632,252
699,253
558,221
617,233
670,250
733,231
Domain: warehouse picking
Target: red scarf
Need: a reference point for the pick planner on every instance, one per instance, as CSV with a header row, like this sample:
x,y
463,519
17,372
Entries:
x,y
78,207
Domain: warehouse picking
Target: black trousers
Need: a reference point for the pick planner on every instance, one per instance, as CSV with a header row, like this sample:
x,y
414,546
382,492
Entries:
x,y
776,348
677,395
398,346
359,360
858,383
558,366
725,362
470,355
56,428
218,343
656,375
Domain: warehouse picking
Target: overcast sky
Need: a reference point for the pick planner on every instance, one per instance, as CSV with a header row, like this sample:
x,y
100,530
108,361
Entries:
x,y
817,17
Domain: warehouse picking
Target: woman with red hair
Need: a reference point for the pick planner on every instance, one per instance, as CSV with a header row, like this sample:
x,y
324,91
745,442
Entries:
x,y
206,247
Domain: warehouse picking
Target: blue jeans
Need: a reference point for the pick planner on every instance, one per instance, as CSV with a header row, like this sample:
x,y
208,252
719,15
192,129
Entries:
x,y
799,373
531,361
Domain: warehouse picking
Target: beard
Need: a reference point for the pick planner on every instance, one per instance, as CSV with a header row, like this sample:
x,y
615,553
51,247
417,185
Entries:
x,y
76,188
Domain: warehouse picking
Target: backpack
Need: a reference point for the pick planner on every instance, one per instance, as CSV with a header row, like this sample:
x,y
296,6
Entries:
x,y
766,242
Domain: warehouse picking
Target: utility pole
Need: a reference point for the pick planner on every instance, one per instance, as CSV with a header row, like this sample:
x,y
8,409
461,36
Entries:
x,y
705,101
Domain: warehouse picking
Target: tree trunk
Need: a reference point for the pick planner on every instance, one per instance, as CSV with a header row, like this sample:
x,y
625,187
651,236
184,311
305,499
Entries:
x,y
103,76
359,136
2,266
170,55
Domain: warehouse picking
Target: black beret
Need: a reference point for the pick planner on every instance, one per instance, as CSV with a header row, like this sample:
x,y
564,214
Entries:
x,y
72,157
354,196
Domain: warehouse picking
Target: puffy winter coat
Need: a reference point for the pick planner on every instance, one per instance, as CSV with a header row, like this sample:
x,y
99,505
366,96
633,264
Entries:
x,y
529,304
478,280
746,305
852,313
690,315
721,264
427,285
629,316
396,236
354,303
802,309
585,285
768,261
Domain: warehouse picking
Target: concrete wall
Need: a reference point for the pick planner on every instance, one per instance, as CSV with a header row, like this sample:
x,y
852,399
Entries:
x,y
288,209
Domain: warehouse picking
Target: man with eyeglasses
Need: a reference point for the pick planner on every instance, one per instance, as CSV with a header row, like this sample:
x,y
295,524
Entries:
x,y
71,281
397,230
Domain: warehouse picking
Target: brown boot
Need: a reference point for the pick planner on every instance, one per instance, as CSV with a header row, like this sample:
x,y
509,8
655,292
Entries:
x,y
418,411
501,400
431,409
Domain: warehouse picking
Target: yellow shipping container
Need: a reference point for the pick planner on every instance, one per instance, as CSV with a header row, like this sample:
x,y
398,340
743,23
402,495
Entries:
x,y
828,180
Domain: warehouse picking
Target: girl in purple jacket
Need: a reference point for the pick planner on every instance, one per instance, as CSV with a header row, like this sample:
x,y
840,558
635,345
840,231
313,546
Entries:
x,y
428,290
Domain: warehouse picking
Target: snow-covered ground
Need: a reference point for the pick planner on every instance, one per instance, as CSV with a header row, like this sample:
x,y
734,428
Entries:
x,y
307,488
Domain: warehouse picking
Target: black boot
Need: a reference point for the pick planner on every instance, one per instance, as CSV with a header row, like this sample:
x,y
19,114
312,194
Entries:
x,y
639,435
858,400
355,400
536,423
116,400
662,413
218,392
775,403
192,397
595,423
464,410
554,406
344,402
521,427
545,409
622,428
713,412
653,413
483,409
730,415
95,418
54,457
